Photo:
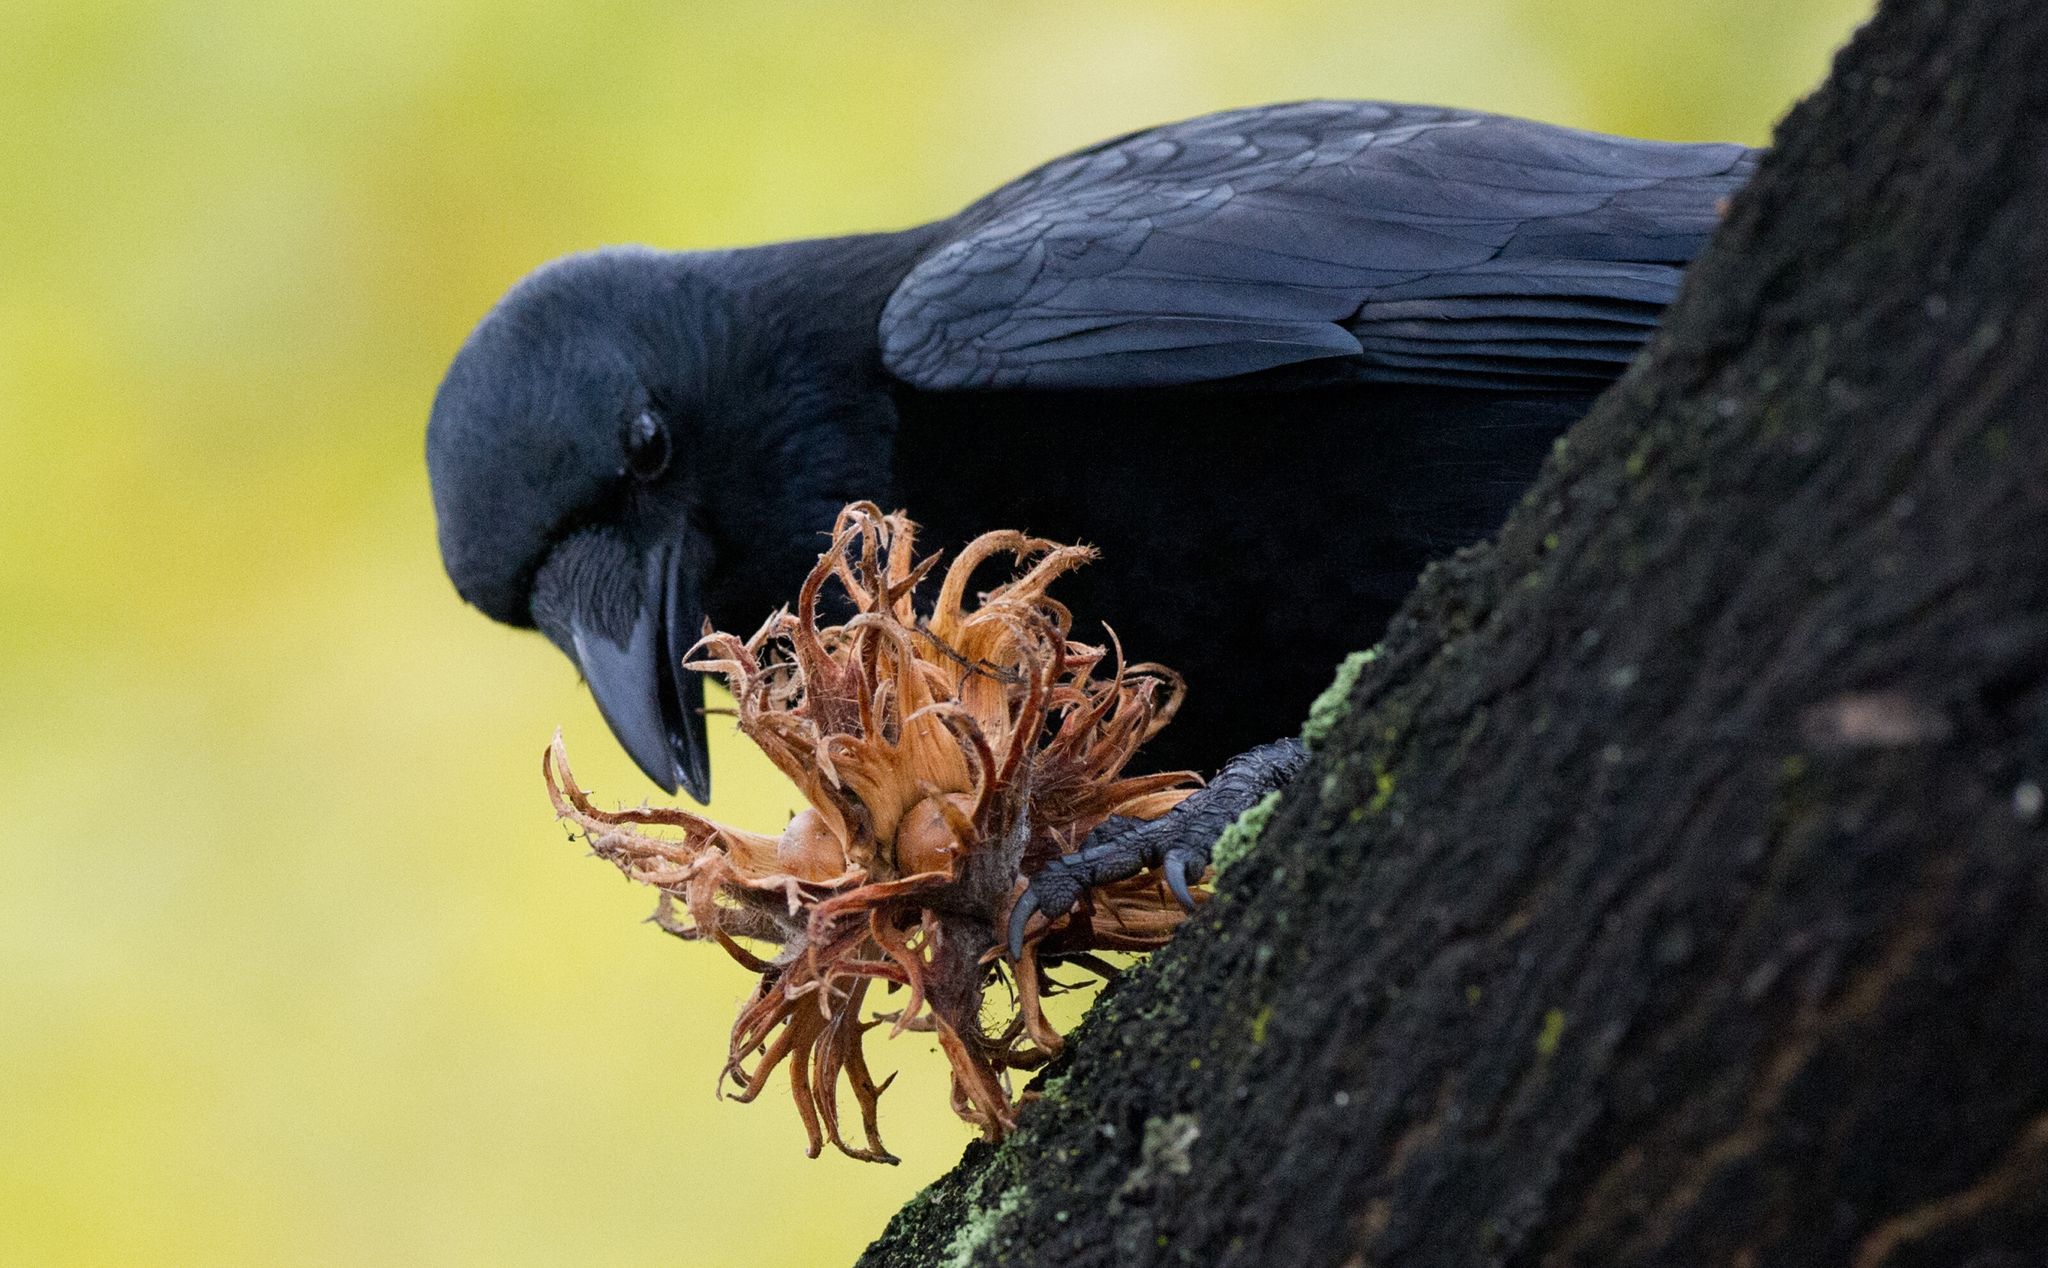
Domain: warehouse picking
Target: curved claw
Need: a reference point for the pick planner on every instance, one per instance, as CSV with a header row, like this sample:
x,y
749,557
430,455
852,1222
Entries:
x,y
1020,916
1176,869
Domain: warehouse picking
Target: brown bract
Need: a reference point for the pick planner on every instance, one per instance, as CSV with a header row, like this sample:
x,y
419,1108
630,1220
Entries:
x,y
947,756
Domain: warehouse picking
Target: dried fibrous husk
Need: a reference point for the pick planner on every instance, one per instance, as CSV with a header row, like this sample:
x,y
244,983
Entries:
x,y
946,756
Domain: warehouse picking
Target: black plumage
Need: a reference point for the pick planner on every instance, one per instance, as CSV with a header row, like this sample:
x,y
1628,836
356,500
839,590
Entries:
x,y
1271,361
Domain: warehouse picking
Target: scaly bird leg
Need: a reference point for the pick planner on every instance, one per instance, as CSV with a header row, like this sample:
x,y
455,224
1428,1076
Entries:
x,y
1178,842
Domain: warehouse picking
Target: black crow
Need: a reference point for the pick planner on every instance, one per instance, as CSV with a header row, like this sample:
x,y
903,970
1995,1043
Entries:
x,y
1271,361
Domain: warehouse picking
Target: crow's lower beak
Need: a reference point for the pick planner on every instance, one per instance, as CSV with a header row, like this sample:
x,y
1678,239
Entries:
x,y
654,706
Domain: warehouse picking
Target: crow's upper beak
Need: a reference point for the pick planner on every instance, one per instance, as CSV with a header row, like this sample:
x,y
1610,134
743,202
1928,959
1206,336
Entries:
x,y
653,704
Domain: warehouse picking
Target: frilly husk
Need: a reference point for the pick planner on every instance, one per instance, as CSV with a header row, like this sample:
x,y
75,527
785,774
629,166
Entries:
x,y
1016,735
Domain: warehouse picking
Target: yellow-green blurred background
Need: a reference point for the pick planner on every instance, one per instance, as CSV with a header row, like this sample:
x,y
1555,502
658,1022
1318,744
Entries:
x,y
294,966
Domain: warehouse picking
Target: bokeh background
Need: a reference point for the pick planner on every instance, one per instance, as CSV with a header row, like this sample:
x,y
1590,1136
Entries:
x,y
294,966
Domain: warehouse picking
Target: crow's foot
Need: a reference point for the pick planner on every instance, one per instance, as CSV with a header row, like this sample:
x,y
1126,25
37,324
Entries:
x,y
1177,843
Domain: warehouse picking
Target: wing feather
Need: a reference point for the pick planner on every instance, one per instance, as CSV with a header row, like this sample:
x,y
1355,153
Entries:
x,y
1398,243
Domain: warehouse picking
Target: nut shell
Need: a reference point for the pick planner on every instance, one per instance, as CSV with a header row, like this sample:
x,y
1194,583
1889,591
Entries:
x,y
926,841
808,849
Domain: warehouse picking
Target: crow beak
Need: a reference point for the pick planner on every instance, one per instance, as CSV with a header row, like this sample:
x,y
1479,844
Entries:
x,y
653,705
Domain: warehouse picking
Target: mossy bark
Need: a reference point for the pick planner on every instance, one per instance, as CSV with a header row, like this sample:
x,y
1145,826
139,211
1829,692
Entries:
x,y
1675,887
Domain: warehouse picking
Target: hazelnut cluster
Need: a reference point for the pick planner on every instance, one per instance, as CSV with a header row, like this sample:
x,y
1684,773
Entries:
x,y
947,752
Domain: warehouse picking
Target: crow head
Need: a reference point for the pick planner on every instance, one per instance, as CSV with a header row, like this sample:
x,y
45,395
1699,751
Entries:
x,y
621,447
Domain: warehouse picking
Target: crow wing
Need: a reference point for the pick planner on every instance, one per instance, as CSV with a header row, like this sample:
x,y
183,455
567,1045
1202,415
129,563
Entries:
x,y
1393,243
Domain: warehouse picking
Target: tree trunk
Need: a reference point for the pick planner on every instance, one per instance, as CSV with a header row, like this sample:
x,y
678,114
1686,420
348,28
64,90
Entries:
x,y
1673,887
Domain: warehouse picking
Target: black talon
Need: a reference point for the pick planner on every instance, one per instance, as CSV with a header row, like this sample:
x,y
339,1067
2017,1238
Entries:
x,y
1020,916
1176,869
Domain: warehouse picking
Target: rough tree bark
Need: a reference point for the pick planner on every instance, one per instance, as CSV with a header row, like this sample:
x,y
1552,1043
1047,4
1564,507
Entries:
x,y
1673,886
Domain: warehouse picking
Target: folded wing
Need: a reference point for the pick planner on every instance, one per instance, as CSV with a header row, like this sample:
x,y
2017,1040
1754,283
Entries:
x,y
1392,243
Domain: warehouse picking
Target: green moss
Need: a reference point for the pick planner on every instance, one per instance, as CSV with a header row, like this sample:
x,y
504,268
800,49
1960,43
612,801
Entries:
x,y
1243,833
1382,792
1551,1035
1053,1087
1330,707
909,1223
979,1226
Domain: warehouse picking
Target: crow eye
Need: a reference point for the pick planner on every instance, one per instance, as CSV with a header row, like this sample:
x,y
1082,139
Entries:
x,y
646,442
